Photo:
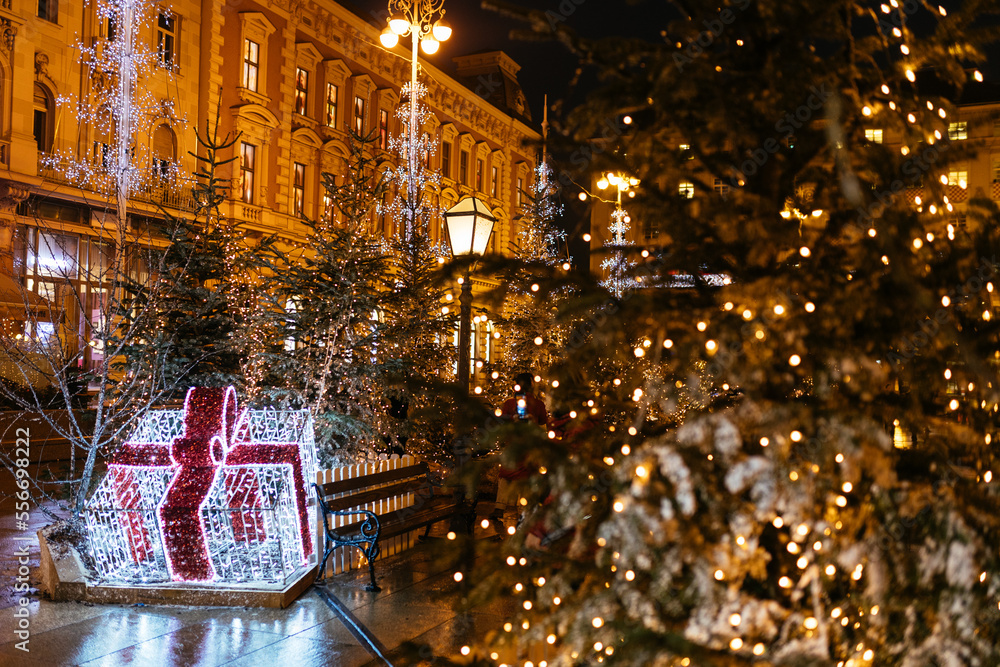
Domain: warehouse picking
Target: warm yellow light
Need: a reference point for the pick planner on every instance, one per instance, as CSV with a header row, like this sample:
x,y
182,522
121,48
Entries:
x,y
441,31
602,184
399,25
429,45
388,38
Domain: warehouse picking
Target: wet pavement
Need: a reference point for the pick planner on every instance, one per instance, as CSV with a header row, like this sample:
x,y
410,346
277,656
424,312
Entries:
x,y
419,602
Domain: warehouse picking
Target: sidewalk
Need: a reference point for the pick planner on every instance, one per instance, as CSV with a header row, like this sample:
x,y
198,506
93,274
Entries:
x,y
417,603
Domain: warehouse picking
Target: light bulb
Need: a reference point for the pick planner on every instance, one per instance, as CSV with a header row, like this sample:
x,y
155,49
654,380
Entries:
x,y
441,31
399,25
388,38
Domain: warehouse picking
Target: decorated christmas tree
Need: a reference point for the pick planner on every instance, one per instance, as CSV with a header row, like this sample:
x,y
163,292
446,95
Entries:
x,y
420,324
530,332
202,315
826,495
329,301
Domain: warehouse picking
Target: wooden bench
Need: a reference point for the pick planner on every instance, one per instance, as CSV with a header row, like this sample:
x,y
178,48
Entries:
x,y
348,497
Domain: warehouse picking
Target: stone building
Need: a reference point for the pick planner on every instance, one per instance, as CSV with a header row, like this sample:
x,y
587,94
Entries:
x,y
289,77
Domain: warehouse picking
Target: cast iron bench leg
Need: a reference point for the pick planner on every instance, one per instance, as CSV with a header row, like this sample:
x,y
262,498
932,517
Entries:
x,y
371,553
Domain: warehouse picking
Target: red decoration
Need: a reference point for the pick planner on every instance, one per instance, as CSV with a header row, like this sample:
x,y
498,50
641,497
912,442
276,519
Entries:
x,y
213,437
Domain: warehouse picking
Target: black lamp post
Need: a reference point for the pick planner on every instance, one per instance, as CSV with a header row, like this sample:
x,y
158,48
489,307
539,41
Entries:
x,y
470,224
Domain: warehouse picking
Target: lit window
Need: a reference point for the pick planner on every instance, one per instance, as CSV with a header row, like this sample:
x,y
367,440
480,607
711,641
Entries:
x,y
251,64
299,189
247,168
301,91
446,159
291,308
959,177
721,187
480,168
996,169
427,150
873,135
686,189
958,131
164,152
328,212
686,150
520,191
42,119
359,115
495,183
48,10
102,155
463,167
165,37
331,104
111,27
383,128
650,229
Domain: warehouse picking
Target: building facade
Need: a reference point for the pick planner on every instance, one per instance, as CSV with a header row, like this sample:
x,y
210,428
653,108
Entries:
x,y
288,78
971,151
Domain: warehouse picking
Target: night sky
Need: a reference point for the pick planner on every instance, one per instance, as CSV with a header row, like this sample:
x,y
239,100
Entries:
x,y
547,67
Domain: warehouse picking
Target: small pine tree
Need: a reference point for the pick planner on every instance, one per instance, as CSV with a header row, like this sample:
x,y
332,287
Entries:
x,y
329,301
191,334
532,339
420,325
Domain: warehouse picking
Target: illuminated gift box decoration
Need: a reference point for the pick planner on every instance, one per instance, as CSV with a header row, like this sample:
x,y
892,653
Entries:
x,y
207,494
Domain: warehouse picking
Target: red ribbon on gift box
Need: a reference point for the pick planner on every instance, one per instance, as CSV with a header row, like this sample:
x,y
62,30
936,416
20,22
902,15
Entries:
x,y
212,439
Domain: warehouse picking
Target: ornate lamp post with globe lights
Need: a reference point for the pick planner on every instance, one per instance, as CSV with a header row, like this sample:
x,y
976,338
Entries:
x,y
470,224
424,21
616,264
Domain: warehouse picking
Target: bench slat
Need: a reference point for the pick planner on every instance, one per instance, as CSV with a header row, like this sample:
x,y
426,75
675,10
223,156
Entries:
x,y
419,519
431,505
403,520
364,481
365,497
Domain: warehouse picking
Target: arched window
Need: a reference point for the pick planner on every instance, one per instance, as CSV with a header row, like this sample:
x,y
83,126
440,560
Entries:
x,y
164,152
43,119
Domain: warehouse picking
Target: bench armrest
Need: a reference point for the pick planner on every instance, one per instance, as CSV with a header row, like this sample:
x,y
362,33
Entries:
x,y
367,531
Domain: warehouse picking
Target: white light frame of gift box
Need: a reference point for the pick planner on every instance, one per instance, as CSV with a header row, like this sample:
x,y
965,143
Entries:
x,y
112,527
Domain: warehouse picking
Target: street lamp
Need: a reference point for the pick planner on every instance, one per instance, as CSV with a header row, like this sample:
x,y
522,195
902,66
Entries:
x,y
424,21
617,265
470,225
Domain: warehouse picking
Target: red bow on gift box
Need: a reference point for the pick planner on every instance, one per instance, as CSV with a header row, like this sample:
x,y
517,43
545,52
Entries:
x,y
213,437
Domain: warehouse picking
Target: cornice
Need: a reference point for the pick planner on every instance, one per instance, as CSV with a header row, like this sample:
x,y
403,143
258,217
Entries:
x,y
357,40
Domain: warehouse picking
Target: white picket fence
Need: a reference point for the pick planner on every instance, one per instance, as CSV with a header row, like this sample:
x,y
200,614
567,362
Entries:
x,y
345,559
